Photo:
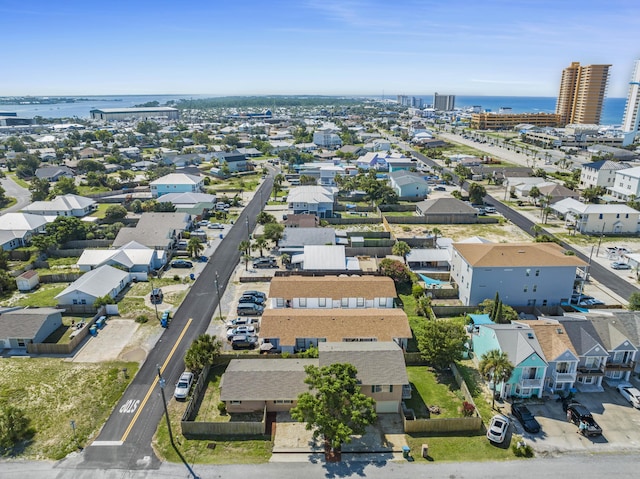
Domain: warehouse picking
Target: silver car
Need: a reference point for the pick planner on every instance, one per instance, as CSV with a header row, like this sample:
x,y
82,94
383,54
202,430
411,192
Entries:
x,y
183,386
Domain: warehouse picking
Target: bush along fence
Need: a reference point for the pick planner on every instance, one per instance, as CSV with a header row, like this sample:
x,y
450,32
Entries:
x,y
455,424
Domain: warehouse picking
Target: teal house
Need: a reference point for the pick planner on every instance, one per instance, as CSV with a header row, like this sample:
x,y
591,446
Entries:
x,y
521,345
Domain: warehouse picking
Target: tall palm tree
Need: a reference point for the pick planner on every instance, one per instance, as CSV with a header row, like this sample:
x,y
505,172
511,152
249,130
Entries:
x,y
401,249
495,365
244,246
260,243
435,232
194,247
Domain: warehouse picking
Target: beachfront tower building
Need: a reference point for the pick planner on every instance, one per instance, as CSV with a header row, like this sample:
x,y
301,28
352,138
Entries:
x,y
582,91
632,110
444,102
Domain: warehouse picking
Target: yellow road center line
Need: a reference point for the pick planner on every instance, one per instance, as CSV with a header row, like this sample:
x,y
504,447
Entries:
x,y
155,381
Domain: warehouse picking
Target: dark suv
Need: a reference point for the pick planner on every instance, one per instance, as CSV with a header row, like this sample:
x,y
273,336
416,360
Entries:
x,y
577,414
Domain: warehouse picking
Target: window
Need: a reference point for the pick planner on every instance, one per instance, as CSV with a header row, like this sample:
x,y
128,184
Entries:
x,y
303,302
544,302
376,388
282,401
563,367
525,288
280,302
535,288
382,302
390,388
344,302
600,216
360,302
527,271
235,403
537,272
322,302
21,343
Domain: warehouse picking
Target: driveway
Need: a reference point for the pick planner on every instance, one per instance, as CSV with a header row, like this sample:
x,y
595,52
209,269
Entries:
x,y
619,421
109,343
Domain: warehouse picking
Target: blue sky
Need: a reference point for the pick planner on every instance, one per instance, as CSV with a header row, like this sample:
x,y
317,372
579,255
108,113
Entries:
x,y
222,47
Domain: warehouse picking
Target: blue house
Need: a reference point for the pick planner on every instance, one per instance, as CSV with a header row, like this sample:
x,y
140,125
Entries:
x,y
523,349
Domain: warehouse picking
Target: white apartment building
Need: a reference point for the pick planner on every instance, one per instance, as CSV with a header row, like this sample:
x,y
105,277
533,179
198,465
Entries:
x,y
626,184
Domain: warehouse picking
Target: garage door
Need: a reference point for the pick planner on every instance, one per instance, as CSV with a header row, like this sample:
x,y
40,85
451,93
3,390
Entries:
x,y
383,407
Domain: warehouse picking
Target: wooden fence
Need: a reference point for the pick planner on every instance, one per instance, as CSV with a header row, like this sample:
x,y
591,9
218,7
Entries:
x,y
68,348
196,398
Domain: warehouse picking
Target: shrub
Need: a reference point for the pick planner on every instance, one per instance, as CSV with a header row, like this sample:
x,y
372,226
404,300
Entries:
x,y
222,408
417,290
176,277
286,354
521,448
467,409
142,318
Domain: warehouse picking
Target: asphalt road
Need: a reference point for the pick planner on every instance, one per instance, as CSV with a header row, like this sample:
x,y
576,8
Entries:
x,y
612,281
13,189
125,439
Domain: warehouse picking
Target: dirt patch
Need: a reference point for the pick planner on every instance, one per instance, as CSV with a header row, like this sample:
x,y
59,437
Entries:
x,y
497,232
109,342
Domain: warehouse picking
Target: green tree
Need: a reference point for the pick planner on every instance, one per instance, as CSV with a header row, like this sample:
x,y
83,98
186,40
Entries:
x,y
203,350
401,249
273,232
495,366
67,228
39,188
634,302
477,193
14,426
263,218
147,126
441,342
164,207
4,201
86,166
246,257
395,270
334,408
244,246
115,213
260,244
534,194
194,247
277,185
136,206
65,186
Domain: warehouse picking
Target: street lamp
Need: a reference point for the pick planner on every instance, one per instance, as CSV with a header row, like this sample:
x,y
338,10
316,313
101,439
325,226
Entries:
x,y
219,297
162,384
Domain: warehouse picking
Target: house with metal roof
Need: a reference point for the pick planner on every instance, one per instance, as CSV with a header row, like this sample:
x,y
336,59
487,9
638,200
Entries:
x,y
176,183
295,239
65,205
524,274
17,228
408,185
598,218
312,199
132,257
102,281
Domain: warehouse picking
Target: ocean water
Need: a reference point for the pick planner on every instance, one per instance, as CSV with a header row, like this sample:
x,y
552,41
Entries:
x,y
611,114
612,111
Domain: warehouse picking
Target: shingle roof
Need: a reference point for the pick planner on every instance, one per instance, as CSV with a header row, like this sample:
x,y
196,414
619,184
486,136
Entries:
x,y
334,324
606,165
552,342
60,203
517,341
377,363
24,323
153,229
516,254
335,287
264,380
307,236
445,206
582,334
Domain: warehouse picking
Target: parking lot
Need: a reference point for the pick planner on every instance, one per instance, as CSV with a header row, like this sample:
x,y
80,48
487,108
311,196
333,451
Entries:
x,y
620,424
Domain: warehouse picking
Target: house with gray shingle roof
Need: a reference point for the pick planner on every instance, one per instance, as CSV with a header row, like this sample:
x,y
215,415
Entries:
x,y
155,230
20,327
54,173
447,211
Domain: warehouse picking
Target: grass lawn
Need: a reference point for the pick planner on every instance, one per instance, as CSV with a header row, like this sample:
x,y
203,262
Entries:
x,y
228,450
87,190
461,447
52,392
10,202
399,213
43,297
101,211
133,307
66,261
433,388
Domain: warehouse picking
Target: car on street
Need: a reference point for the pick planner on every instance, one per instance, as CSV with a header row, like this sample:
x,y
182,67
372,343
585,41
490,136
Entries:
x,y
498,428
526,418
630,393
246,330
579,414
215,226
181,263
183,386
439,188
620,265
249,298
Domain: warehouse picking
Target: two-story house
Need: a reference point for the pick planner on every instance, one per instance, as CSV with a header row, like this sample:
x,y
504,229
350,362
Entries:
x,y
600,173
521,346
524,274
312,199
626,184
598,219
176,183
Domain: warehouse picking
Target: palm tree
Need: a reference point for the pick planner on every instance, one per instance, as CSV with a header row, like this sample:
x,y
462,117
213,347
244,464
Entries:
x,y
246,258
495,365
536,230
260,243
277,185
244,246
534,193
401,249
435,232
194,247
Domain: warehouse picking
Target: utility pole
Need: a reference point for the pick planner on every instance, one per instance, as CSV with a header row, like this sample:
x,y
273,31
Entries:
x,y
600,239
219,297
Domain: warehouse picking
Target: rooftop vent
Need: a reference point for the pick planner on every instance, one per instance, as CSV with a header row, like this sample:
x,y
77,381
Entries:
x,y
530,335
559,331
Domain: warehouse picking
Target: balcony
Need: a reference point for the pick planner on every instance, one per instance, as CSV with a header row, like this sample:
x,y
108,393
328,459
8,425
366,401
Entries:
x,y
591,371
531,383
628,366
564,377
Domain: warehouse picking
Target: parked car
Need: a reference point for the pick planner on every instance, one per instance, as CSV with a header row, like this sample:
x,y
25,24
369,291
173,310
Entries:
x,y
215,226
439,188
590,302
255,293
183,386
577,298
246,330
620,265
578,413
526,418
156,296
490,209
249,309
248,298
203,223
241,322
630,393
268,262
242,341
181,263
498,428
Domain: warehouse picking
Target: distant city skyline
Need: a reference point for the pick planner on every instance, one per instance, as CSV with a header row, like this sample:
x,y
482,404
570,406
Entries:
x,y
330,47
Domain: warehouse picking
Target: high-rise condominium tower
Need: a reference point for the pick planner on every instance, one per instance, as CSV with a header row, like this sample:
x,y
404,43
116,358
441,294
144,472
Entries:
x,y
444,102
631,117
582,91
